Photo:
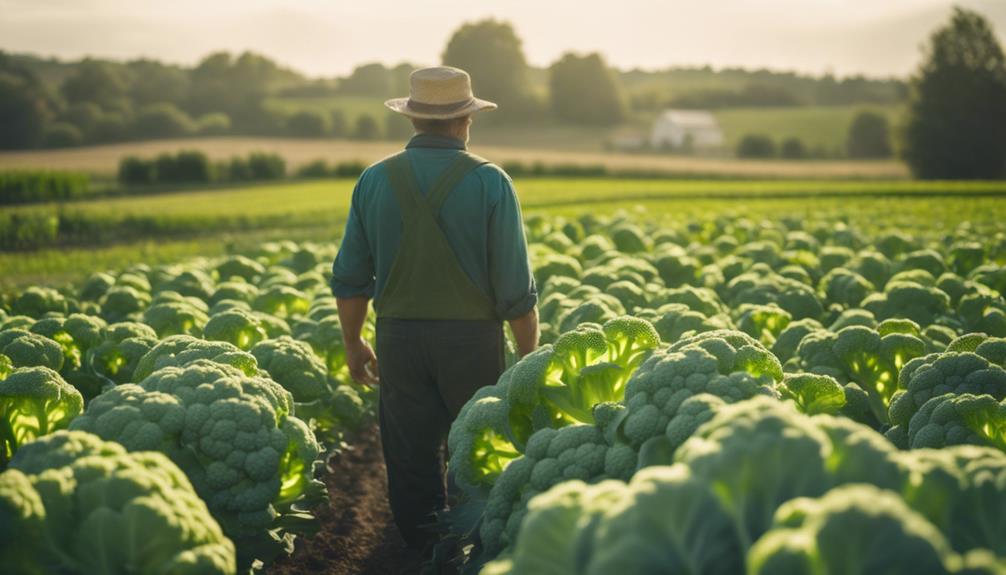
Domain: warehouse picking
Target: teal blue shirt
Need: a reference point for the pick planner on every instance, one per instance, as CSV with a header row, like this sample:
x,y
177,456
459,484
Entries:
x,y
481,219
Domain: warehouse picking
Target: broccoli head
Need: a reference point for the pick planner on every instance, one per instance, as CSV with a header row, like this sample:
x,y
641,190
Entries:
x,y
851,529
235,326
123,303
175,318
479,443
294,365
34,401
27,349
959,419
234,437
179,350
37,301
552,456
75,504
933,375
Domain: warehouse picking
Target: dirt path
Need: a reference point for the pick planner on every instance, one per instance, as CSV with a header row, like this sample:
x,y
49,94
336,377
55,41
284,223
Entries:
x,y
357,536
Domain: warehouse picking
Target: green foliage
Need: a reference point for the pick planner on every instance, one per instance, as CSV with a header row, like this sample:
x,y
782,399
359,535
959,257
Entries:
x,y
868,137
756,146
584,91
491,52
957,118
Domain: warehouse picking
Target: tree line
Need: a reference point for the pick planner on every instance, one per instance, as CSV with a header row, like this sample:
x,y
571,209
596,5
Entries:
x,y
956,125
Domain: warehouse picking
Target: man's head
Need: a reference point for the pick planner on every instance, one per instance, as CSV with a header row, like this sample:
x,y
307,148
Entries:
x,y
440,102
453,128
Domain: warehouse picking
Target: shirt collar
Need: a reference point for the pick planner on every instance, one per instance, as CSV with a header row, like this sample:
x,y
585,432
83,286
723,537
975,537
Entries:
x,y
434,141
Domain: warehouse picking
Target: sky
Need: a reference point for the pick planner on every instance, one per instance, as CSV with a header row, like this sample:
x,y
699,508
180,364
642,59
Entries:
x,y
331,37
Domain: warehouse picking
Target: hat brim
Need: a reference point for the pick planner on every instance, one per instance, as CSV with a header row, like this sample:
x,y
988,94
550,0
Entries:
x,y
404,107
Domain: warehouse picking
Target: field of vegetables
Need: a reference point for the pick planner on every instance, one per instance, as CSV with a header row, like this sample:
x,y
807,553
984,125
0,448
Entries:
x,y
805,383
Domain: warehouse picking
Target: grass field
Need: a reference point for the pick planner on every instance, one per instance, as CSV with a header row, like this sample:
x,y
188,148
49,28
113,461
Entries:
x,y
818,126
104,160
175,225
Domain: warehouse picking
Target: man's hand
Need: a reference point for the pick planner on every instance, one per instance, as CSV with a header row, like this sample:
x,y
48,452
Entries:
x,y
360,358
362,363
525,332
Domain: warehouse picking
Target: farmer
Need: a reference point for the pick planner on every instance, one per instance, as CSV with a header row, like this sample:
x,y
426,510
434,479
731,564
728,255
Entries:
x,y
435,238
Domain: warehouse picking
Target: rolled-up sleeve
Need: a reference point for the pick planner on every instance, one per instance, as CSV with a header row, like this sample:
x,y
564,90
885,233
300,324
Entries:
x,y
353,269
509,269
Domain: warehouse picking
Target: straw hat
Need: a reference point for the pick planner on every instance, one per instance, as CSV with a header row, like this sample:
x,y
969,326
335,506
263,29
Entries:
x,y
439,93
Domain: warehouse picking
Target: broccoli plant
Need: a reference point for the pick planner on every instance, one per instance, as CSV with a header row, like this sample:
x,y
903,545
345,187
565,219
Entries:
x,y
180,350
36,301
480,442
234,437
123,345
71,503
175,318
931,376
551,457
235,326
864,357
728,365
77,334
27,349
851,529
560,384
34,401
812,393
959,419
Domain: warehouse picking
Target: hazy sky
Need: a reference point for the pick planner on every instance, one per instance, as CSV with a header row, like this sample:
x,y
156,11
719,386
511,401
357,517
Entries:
x,y
328,37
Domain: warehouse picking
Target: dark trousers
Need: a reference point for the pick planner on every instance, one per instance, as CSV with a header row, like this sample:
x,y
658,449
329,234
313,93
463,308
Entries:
x,y
429,370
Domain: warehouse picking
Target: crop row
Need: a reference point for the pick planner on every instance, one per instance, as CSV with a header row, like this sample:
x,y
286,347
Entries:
x,y
767,378
739,395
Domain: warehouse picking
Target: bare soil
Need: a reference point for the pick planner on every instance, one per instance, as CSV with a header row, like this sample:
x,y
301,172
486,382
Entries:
x,y
357,536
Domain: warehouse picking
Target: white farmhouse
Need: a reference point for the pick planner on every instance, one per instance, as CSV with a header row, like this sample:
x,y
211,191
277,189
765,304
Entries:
x,y
686,129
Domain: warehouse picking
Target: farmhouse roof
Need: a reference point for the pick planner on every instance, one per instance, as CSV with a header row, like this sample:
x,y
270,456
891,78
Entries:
x,y
690,118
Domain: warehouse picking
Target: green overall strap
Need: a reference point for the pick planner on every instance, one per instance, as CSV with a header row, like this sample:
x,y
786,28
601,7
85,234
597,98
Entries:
x,y
426,280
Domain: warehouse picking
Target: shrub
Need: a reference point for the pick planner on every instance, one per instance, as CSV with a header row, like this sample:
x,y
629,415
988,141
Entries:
x,y
215,124
366,128
187,166
110,127
315,169
307,124
162,121
793,149
350,169
134,170
869,137
61,135
264,166
756,146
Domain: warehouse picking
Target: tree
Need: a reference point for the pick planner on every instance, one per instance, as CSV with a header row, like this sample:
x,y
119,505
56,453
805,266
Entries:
x,y
756,146
368,80
957,115
308,124
793,149
868,137
163,121
585,91
154,82
101,83
491,52
366,128
24,106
